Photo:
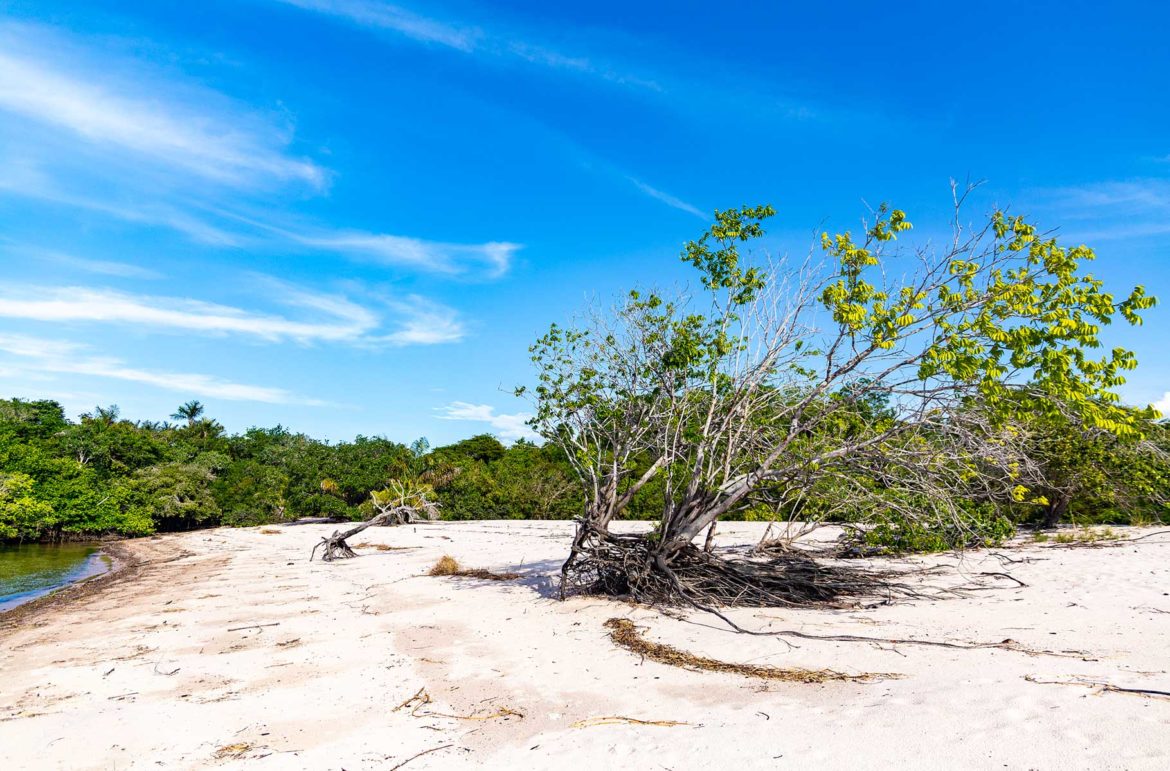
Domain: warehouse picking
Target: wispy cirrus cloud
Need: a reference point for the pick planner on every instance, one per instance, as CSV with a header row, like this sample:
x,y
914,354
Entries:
x,y
467,38
120,106
35,357
217,226
667,198
105,267
507,426
492,258
395,19
412,320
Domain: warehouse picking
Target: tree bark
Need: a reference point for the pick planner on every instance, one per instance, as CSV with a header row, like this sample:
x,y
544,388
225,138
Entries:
x,y
1056,511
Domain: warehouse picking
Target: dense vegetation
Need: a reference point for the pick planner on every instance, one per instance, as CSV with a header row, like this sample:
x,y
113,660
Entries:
x,y
105,475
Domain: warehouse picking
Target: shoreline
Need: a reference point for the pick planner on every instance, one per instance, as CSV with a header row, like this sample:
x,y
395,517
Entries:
x,y
124,565
227,648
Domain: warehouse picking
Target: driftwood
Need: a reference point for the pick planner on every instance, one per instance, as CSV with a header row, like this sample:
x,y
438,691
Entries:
x,y
394,507
335,547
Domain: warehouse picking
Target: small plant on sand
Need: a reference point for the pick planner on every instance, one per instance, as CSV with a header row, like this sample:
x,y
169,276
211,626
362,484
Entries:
x,y
446,566
1090,535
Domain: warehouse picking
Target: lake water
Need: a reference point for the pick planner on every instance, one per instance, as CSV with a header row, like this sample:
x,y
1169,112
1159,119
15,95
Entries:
x,y
31,570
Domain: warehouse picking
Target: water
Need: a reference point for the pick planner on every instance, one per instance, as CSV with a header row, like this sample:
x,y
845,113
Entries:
x,y
29,571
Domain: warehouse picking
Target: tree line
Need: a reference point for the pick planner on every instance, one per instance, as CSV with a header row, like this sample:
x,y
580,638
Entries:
x,y
105,475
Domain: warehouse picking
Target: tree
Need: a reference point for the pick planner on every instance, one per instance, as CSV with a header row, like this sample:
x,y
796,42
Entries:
x,y
22,516
178,495
1081,469
730,397
190,412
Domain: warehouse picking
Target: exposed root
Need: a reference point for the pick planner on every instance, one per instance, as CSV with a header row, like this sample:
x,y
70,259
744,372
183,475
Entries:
x,y
381,546
449,566
1007,644
333,548
623,633
628,565
1102,687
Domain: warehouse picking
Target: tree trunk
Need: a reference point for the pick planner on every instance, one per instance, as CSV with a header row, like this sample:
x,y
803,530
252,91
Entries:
x,y
1056,511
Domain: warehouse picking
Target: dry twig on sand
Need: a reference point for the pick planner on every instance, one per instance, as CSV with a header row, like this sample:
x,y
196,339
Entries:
x,y
625,634
419,755
233,750
422,698
618,720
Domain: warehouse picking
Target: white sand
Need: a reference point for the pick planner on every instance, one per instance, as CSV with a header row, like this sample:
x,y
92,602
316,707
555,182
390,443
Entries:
x,y
147,674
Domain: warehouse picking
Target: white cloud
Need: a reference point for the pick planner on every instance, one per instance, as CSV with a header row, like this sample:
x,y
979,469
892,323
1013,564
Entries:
x,y
667,198
416,320
506,426
104,134
37,357
25,177
425,323
495,257
113,105
1163,404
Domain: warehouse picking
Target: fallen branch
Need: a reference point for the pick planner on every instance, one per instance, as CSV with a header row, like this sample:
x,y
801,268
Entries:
x,y
1008,576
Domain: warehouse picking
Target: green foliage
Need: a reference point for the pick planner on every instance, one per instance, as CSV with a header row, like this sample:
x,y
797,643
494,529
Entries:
x,y
21,514
985,525
1023,306
105,475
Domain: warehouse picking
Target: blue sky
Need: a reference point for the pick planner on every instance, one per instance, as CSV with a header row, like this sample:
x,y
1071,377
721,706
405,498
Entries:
x,y
349,216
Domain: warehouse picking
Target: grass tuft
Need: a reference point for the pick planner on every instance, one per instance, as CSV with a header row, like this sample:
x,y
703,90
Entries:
x,y
449,566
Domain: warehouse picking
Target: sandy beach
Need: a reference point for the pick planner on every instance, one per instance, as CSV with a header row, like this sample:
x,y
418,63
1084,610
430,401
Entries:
x,y
229,649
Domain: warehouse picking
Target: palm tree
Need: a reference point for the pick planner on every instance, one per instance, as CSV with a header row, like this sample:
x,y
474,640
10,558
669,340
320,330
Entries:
x,y
107,416
189,412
